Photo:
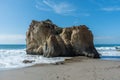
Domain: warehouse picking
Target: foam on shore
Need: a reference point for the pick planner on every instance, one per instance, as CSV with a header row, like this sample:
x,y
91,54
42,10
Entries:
x,y
14,59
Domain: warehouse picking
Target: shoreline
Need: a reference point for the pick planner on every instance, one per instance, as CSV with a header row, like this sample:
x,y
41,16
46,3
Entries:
x,y
78,68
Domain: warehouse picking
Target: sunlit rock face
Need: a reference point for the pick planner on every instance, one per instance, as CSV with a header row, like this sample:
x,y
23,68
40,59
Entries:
x,y
47,39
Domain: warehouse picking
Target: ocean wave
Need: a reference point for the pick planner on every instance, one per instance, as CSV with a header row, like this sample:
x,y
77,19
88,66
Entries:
x,y
14,59
108,51
105,48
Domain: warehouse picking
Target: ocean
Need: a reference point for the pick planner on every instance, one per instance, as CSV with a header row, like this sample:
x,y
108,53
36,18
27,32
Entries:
x,y
109,51
12,56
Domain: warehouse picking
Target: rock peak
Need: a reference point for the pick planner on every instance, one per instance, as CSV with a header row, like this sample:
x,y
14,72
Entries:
x,y
48,21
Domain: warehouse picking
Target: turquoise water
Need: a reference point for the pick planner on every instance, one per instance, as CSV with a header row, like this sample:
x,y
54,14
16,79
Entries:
x,y
15,46
106,45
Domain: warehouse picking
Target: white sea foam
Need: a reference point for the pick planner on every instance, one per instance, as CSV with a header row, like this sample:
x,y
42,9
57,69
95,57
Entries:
x,y
105,48
14,59
108,51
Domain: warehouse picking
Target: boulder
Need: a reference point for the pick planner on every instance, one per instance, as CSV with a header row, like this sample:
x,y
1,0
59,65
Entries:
x,y
47,39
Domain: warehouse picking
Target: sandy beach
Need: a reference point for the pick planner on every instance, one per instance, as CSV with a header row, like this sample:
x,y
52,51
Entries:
x,y
78,68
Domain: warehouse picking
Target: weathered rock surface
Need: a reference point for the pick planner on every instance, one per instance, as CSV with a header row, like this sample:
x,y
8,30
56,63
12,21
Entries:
x,y
47,39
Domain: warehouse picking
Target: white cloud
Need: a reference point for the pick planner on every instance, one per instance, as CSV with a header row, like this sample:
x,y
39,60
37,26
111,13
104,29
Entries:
x,y
42,6
12,39
62,8
109,6
111,9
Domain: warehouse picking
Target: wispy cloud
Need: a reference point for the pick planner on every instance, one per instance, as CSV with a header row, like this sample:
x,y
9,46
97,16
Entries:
x,y
62,8
12,39
111,9
109,6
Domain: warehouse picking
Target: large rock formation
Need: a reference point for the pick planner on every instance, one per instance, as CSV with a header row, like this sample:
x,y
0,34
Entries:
x,y
47,39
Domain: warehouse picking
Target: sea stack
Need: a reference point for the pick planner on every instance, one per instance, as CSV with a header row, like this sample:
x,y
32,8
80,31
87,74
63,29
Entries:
x,y
47,39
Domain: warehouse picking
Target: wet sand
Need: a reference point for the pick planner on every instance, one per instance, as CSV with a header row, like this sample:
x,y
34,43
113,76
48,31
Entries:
x,y
79,68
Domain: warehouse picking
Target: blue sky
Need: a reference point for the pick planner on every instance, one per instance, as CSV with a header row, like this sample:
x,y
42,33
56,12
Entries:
x,y
101,16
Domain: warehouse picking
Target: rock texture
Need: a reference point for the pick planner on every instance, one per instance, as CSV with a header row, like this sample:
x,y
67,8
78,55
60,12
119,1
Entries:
x,y
47,39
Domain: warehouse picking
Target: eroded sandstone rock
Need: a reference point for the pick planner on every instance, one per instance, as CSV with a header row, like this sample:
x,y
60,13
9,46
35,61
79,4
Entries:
x,y
47,39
